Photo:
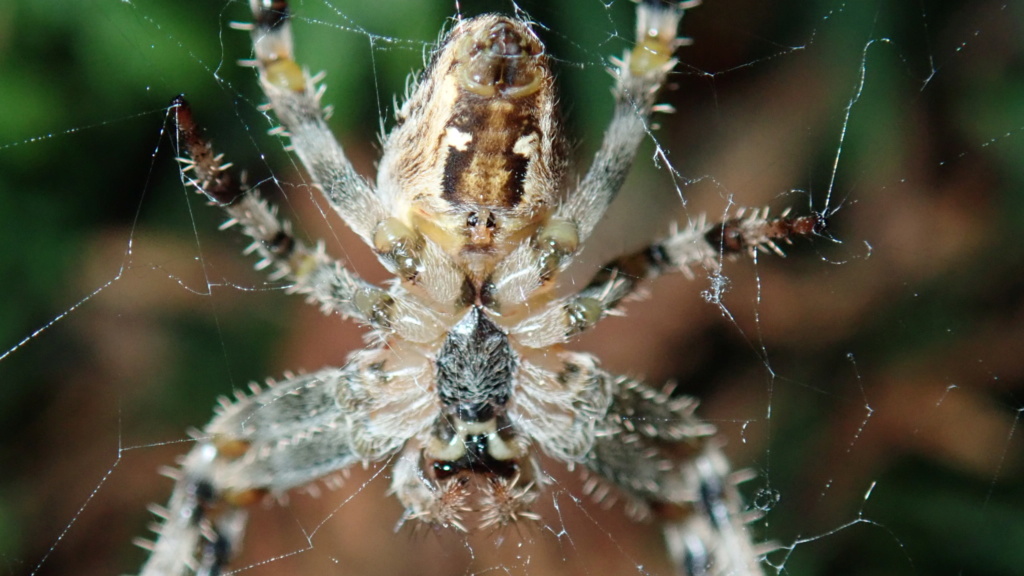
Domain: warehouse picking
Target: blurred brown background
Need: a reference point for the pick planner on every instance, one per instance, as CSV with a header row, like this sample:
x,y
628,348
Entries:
x,y
889,361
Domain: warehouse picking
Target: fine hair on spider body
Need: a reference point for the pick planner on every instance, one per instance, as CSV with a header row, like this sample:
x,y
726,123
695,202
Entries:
x,y
476,213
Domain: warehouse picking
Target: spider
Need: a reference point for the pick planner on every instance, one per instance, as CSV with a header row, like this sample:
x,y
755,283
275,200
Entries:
x,y
466,380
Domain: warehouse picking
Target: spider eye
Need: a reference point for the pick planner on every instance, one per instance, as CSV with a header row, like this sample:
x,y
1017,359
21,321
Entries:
x,y
480,229
490,220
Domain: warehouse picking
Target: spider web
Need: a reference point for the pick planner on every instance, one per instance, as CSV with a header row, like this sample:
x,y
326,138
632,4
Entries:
x,y
871,380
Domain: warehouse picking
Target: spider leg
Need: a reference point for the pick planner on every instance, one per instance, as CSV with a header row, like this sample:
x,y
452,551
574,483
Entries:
x,y
313,273
295,98
292,433
639,75
659,455
699,244
559,401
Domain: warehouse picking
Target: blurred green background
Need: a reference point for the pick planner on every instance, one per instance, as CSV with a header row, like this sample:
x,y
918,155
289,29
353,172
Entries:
x,y
888,362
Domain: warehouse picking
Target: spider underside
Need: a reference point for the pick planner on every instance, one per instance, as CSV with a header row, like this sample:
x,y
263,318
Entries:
x,y
476,214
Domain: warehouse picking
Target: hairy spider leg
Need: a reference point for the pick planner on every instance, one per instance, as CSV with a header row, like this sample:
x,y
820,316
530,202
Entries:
x,y
666,463
287,435
295,99
639,76
699,244
311,271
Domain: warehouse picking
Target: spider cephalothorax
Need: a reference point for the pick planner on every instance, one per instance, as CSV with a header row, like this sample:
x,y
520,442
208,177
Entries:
x,y
468,381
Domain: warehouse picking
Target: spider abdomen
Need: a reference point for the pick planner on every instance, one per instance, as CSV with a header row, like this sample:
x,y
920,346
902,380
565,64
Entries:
x,y
477,160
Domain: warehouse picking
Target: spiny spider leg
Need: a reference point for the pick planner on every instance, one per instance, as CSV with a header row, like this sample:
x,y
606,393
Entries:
x,y
315,274
639,76
292,433
324,280
295,99
700,244
652,448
